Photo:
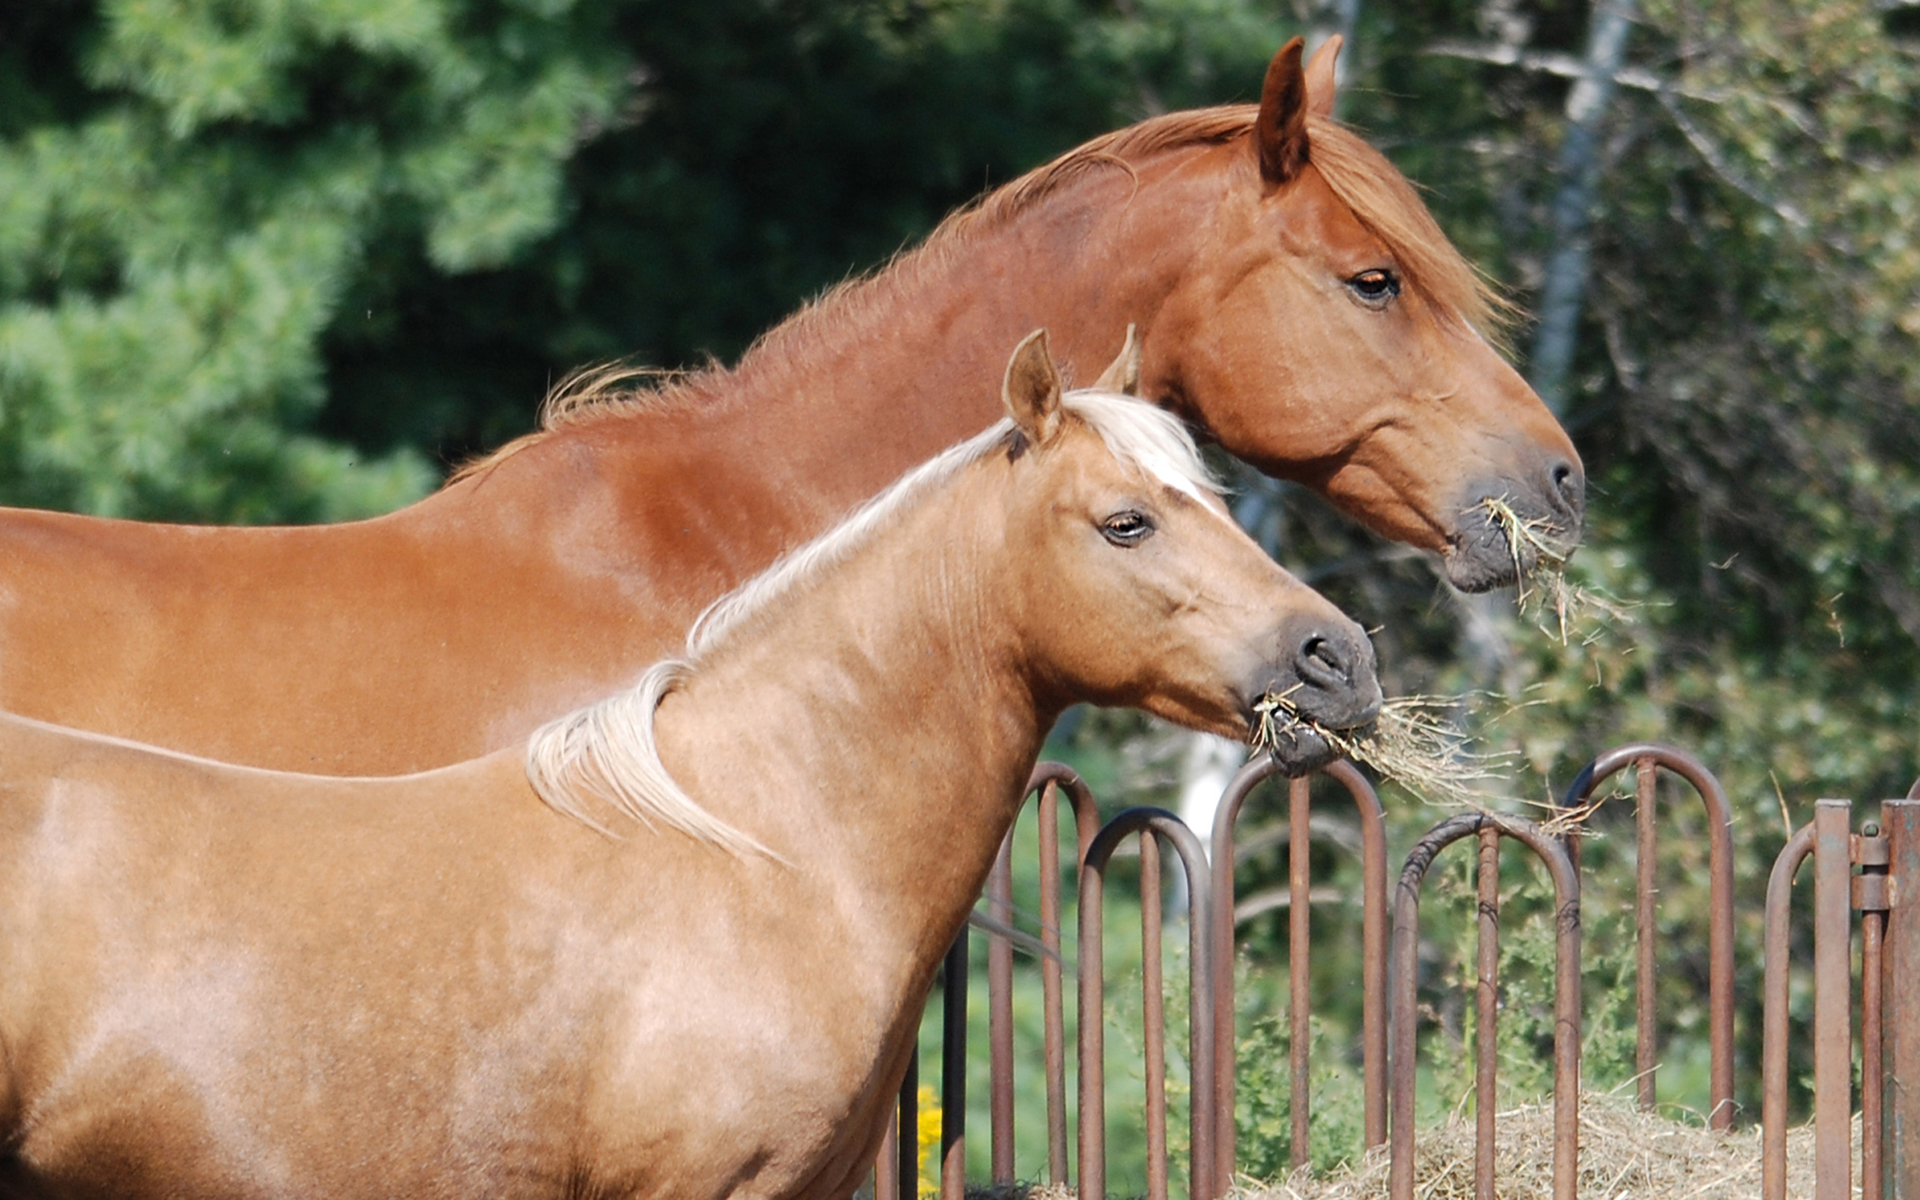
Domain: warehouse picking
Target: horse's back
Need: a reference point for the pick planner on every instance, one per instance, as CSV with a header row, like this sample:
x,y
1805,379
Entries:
x,y
360,648
430,636
144,630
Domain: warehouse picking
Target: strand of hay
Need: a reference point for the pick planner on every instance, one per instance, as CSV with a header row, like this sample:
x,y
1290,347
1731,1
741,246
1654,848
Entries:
x,y
1540,567
1410,742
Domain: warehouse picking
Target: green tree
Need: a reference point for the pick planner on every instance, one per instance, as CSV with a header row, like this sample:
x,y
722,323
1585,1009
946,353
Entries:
x,y
188,193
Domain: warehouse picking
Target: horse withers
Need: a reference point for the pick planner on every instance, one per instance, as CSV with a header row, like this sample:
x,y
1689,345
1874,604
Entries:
x,y
224,981
1295,299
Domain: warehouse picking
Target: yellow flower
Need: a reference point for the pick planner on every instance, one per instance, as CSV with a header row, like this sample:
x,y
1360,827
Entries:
x,y
929,1143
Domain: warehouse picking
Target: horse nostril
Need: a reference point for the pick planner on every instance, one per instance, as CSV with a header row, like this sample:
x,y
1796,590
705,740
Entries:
x,y
1322,662
1568,486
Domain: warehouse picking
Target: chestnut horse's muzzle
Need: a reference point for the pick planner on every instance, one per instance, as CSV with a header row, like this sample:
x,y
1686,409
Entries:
x,y
1504,534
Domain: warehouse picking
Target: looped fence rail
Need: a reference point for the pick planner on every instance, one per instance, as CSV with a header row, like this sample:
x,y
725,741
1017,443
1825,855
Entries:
x,y
1875,873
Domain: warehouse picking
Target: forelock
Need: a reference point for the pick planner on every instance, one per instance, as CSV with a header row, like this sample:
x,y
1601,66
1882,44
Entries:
x,y
1146,438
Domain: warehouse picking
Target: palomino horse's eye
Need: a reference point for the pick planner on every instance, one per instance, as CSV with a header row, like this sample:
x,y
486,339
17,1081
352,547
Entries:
x,y
1126,528
1375,287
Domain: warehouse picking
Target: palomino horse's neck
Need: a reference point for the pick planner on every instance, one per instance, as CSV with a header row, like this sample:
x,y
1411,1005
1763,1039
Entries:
x,y
879,722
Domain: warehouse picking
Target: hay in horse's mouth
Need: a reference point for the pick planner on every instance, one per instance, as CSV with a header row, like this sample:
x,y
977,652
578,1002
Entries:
x,y
1539,571
1409,743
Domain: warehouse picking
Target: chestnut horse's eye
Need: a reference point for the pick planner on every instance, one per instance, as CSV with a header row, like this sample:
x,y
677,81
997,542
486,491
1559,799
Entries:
x,y
1126,528
1375,287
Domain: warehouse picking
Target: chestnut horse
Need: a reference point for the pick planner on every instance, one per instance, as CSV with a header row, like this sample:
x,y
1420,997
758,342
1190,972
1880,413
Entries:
x,y
218,980
1295,300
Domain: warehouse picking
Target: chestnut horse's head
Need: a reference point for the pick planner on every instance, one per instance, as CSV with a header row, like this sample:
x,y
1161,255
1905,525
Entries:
x,y
1133,586
1323,328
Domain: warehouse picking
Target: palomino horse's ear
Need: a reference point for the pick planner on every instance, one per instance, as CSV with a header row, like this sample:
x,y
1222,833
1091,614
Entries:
x,y
1123,374
1322,76
1280,131
1032,389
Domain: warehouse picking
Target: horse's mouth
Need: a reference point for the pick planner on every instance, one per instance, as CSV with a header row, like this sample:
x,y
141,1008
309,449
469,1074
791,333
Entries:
x,y
1497,546
1300,748
1297,742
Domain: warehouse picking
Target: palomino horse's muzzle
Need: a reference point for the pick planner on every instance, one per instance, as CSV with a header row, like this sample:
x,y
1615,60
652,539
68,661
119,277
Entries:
x,y
1326,676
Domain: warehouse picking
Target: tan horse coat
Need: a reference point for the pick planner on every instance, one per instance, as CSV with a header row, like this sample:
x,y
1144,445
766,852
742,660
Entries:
x,y
220,981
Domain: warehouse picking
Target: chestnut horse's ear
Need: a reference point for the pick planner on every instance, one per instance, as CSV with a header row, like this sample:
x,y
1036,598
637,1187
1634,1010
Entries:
x,y
1123,374
1322,76
1280,131
1032,389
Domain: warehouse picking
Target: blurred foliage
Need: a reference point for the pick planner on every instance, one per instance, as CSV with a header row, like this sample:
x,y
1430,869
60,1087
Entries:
x,y
188,195
284,259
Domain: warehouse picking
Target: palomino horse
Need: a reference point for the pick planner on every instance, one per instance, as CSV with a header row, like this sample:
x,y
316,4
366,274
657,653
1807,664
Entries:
x,y
1295,300
224,981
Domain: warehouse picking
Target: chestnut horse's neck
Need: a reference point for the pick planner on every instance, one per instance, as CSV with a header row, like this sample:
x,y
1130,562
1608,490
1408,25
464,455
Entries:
x,y
882,373
879,722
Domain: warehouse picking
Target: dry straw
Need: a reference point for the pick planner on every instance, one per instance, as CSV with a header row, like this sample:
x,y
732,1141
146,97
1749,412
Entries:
x,y
1625,1154
1539,566
1410,743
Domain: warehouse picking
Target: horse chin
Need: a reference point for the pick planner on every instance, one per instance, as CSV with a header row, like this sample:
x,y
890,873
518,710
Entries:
x,y
1481,568
1299,749
1481,558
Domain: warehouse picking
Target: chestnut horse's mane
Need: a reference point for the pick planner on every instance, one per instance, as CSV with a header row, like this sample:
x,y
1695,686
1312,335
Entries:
x,y
1377,193
607,750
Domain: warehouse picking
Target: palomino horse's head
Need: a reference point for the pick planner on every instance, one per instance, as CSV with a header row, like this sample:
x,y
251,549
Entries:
x,y
1136,588
1324,330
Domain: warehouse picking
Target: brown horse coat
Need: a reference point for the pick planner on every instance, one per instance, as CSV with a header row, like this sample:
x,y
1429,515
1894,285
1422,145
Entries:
x,y
1294,297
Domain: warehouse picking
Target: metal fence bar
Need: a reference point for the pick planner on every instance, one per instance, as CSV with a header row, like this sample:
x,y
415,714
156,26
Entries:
x,y
907,1124
1299,960
1000,1014
1487,1003
1051,779
1153,1018
1901,972
1773,1037
1646,783
1720,901
886,1168
1832,1001
1373,942
1871,899
1202,974
1566,986
953,1074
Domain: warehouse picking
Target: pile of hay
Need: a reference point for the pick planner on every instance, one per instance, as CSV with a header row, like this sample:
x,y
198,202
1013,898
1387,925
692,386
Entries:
x,y
1625,1154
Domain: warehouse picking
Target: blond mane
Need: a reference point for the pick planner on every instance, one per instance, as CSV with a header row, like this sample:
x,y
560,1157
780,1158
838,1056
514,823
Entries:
x,y
1378,194
607,752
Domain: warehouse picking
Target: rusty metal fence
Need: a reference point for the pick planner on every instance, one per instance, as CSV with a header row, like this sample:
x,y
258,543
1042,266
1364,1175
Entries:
x,y
1874,873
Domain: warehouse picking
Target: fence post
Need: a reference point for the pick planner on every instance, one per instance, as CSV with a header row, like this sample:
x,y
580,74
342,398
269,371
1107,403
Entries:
x,y
1900,820
1832,1000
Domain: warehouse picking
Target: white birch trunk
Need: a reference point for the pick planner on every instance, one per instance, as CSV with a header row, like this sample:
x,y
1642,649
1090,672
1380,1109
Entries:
x,y
1564,286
